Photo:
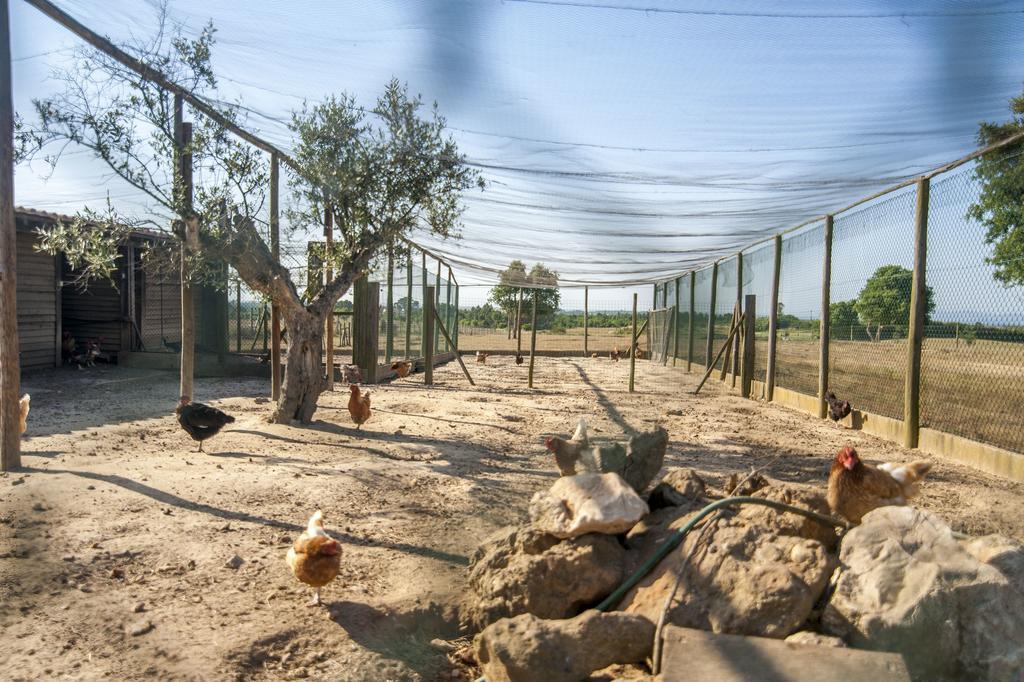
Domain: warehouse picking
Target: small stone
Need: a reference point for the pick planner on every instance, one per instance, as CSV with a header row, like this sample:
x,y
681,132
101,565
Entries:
x,y
116,573
139,608
18,481
90,487
140,628
234,562
68,557
38,506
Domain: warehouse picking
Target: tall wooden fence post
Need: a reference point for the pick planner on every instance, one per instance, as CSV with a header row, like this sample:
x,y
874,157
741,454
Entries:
x,y
455,323
749,346
10,367
586,322
739,302
675,328
366,327
389,313
918,317
823,333
428,334
328,276
632,349
519,324
533,337
773,322
275,251
183,140
449,313
709,348
425,287
689,331
408,308
437,302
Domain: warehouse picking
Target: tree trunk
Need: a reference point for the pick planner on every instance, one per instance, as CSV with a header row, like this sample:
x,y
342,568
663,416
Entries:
x,y
304,372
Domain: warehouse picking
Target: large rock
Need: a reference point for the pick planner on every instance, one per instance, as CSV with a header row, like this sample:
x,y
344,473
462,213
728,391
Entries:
x,y
523,570
526,648
744,576
678,488
587,503
787,523
906,585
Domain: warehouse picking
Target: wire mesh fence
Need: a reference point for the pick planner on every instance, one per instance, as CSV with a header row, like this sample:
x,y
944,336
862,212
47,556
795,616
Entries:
x,y
796,363
972,373
758,268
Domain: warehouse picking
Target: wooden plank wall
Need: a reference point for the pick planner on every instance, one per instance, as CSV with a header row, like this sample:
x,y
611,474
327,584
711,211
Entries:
x,y
95,312
37,304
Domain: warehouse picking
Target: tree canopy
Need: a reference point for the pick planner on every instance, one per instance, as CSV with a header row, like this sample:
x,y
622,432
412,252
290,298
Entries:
x,y
1000,204
505,295
885,299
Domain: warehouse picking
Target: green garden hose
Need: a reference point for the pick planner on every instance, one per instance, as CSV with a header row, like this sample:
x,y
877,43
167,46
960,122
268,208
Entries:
x,y
677,537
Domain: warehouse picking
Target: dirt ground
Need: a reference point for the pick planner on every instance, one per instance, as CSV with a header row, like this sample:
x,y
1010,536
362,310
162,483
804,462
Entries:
x,y
115,537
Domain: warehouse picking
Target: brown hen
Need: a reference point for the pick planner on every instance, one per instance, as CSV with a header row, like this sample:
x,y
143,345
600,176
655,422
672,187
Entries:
x,y
855,488
315,558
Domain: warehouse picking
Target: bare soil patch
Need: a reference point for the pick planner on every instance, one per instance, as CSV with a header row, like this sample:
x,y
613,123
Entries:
x,y
116,526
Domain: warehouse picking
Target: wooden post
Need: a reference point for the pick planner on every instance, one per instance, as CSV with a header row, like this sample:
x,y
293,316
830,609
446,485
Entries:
x,y
275,251
423,324
773,322
710,346
689,332
266,326
389,313
408,308
455,324
733,330
328,276
632,349
736,312
749,347
533,337
586,322
823,334
10,365
739,302
918,316
437,302
366,327
428,335
183,138
675,325
238,314
450,314
519,323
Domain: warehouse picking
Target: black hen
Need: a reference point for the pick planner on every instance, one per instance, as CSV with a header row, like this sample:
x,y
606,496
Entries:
x,y
519,358
837,409
201,421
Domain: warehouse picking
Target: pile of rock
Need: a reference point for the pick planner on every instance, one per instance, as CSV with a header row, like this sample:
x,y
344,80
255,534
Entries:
x,y
903,584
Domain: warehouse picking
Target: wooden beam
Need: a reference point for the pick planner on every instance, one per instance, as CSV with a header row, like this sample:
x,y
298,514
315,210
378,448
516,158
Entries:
x,y
519,323
533,337
275,251
437,301
675,325
729,351
428,334
632,350
823,327
408,308
10,364
183,138
328,277
449,313
366,327
586,321
451,344
739,303
773,321
456,319
689,332
749,345
710,345
918,318
389,336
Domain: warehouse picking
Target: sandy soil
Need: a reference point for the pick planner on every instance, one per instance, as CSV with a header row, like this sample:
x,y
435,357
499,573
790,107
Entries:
x,y
116,525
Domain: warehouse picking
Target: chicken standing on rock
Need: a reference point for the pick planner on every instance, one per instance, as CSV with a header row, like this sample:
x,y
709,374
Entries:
x,y
638,462
201,421
359,406
855,488
837,409
315,558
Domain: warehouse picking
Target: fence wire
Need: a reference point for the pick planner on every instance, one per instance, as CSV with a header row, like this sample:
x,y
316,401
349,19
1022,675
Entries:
x,y
701,314
758,267
972,363
872,265
796,355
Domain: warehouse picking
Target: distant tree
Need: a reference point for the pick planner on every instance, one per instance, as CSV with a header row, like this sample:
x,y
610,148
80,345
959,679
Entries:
x,y
506,295
545,283
1000,204
842,315
885,300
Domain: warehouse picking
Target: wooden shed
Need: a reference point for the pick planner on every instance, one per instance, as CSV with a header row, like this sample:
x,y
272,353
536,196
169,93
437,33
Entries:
x,y
138,310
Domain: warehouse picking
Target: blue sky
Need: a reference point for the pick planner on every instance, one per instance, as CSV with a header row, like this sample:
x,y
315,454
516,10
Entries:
x,y
619,145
